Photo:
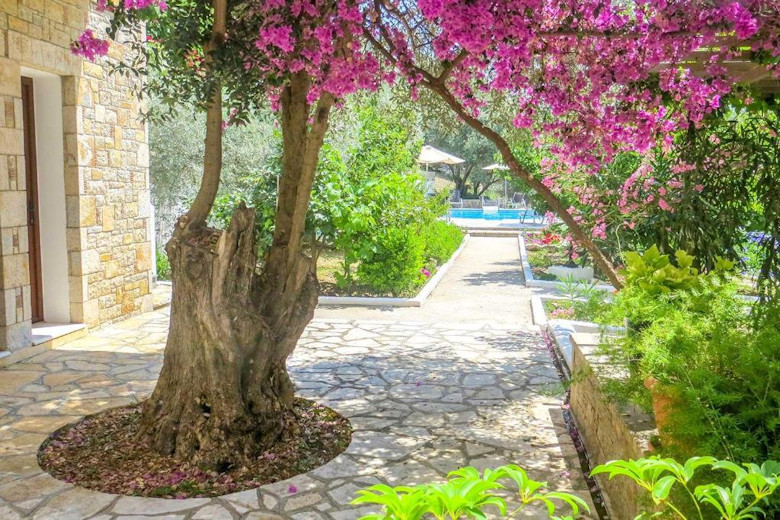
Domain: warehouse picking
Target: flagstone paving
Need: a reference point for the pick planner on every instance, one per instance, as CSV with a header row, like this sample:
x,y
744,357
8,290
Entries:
x,y
424,398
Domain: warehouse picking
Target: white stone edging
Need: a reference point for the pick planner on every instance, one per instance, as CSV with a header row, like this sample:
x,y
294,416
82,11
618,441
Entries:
x,y
561,331
530,281
417,301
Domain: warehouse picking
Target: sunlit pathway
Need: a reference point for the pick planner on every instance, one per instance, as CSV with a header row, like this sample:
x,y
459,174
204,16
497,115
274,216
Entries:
x,y
425,395
485,285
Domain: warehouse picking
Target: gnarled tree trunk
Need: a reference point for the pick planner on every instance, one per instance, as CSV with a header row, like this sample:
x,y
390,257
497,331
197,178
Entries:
x,y
224,387
224,395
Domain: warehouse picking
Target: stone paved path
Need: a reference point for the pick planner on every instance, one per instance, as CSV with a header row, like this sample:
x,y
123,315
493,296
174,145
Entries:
x,y
485,285
423,397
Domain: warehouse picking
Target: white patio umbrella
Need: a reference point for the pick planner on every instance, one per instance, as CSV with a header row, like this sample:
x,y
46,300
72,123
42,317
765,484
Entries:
x,y
496,166
431,155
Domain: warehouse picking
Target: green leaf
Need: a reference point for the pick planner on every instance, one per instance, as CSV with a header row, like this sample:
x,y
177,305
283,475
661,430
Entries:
x,y
662,488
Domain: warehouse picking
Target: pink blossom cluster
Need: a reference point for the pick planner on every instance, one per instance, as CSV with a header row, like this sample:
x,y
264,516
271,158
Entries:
x,y
584,65
322,38
92,47
89,46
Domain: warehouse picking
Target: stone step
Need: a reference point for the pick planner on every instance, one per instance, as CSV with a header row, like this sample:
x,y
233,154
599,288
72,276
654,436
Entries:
x,y
493,233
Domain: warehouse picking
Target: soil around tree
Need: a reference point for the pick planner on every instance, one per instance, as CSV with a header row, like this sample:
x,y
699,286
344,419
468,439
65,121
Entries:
x,y
103,452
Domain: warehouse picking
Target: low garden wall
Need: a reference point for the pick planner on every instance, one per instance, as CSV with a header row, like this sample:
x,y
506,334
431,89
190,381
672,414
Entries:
x,y
531,281
608,431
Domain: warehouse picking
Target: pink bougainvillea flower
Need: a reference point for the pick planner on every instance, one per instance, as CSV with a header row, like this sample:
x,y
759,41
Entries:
x,y
426,273
89,46
292,489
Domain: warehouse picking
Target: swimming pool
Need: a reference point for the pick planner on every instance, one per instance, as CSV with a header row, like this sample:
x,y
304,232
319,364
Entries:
x,y
501,214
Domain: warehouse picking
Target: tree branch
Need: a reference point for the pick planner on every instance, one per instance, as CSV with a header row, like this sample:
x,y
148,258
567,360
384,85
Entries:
x,y
517,169
449,67
212,157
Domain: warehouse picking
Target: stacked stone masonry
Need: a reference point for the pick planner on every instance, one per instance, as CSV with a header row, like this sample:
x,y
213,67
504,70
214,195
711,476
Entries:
x,y
608,431
105,169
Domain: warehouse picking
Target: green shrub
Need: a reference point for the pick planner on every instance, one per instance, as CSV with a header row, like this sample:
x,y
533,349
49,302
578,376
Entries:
x,y
469,494
672,487
163,265
441,240
720,362
395,262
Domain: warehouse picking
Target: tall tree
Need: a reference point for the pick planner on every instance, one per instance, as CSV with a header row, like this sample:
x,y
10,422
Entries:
x,y
224,393
469,177
224,388
595,74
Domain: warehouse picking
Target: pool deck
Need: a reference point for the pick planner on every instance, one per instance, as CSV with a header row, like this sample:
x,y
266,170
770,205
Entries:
x,y
481,223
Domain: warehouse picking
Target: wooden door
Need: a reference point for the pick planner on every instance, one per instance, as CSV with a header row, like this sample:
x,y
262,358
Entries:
x,y
31,173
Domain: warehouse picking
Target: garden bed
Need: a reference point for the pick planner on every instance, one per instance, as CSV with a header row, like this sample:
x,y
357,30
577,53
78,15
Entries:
x,y
545,249
548,281
608,431
103,452
331,295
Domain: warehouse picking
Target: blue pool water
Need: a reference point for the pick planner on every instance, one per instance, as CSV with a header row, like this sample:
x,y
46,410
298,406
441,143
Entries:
x,y
502,214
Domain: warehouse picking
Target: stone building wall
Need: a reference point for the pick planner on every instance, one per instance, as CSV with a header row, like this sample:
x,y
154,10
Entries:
x,y
105,173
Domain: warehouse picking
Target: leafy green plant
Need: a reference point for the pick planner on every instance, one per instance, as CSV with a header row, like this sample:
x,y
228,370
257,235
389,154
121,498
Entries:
x,y
163,265
584,300
715,361
672,486
750,488
466,493
578,289
395,262
655,273
441,239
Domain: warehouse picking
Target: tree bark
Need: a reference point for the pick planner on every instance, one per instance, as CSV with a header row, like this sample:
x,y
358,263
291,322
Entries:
x,y
224,395
223,390
599,258
212,159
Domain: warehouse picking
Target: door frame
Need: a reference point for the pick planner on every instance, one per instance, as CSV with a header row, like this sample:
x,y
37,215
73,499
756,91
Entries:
x,y
33,214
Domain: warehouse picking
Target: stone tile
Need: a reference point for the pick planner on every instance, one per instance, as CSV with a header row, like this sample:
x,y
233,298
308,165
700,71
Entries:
x,y
343,495
262,516
155,506
20,465
213,512
474,404
74,504
381,445
353,513
340,467
13,380
33,487
6,513
300,501
21,444
145,517
42,424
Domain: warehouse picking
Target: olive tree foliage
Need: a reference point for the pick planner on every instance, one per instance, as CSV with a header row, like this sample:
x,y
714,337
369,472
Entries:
x,y
176,146
470,179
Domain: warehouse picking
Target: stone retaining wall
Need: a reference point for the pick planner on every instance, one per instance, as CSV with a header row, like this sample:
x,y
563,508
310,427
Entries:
x,y
609,432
